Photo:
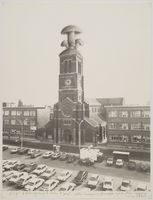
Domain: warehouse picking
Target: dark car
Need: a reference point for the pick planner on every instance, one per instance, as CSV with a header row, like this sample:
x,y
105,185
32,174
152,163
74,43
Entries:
x,y
55,155
35,154
131,165
144,167
19,166
71,159
29,168
81,176
86,162
5,147
63,157
23,151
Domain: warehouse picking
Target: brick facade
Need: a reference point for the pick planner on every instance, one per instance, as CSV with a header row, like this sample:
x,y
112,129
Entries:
x,y
128,125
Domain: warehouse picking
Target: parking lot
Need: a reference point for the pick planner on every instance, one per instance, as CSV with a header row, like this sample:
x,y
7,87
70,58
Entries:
x,y
117,174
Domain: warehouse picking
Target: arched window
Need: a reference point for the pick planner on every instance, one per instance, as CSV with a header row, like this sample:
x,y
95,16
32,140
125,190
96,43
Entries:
x,y
65,66
79,67
70,66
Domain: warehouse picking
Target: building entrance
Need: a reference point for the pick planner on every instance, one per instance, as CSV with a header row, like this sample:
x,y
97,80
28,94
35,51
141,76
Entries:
x,y
67,137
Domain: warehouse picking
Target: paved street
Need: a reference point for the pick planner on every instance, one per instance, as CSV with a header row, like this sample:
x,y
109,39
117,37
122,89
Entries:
x,y
98,168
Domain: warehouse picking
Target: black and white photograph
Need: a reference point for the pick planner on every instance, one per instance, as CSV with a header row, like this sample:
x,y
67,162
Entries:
x,y
76,97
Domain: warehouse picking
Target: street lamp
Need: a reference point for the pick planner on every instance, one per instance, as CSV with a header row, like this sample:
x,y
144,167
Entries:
x,y
21,122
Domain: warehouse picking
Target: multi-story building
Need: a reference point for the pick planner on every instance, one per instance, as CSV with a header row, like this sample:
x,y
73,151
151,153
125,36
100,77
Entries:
x,y
23,118
128,125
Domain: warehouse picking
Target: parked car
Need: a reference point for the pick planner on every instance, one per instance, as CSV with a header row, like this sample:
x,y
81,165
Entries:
x,y
7,175
29,168
47,154
19,166
30,151
5,162
55,155
5,147
93,181
125,185
86,161
36,153
107,184
63,156
119,163
15,150
16,176
49,185
81,176
10,164
144,167
109,161
40,169
71,158
64,175
48,173
24,180
34,184
67,187
84,189
22,150
141,187
131,165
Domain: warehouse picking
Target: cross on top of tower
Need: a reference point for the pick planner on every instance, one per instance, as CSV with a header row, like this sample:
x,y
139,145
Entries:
x,y
71,31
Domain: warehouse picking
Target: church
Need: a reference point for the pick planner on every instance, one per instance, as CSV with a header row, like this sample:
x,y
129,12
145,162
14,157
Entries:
x,y
72,121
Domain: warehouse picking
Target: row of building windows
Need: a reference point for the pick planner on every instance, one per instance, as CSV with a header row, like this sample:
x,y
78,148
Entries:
x,y
132,114
132,139
67,122
95,109
126,126
19,113
69,67
16,122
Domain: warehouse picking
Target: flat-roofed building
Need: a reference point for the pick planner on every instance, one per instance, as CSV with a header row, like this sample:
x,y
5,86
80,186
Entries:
x,y
26,118
128,125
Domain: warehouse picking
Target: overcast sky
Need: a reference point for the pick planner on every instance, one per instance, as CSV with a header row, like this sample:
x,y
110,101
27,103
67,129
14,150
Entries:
x,y
116,51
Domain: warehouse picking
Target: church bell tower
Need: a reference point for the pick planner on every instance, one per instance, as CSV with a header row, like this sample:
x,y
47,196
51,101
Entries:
x,y
69,112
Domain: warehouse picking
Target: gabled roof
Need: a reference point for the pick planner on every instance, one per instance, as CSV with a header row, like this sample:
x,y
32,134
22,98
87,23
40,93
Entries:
x,y
95,121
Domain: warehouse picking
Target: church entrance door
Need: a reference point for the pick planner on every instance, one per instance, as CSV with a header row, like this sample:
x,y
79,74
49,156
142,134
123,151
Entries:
x,y
67,137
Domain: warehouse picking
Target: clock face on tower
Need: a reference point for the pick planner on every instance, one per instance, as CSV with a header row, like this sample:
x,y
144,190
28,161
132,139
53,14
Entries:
x,y
68,82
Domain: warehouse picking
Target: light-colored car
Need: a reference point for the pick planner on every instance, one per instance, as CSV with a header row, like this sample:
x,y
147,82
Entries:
x,y
93,181
108,184
64,175
16,176
5,162
125,185
119,163
67,187
24,180
48,173
141,187
34,184
49,185
84,189
30,151
7,175
15,150
40,169
47,154
109,161
10,164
